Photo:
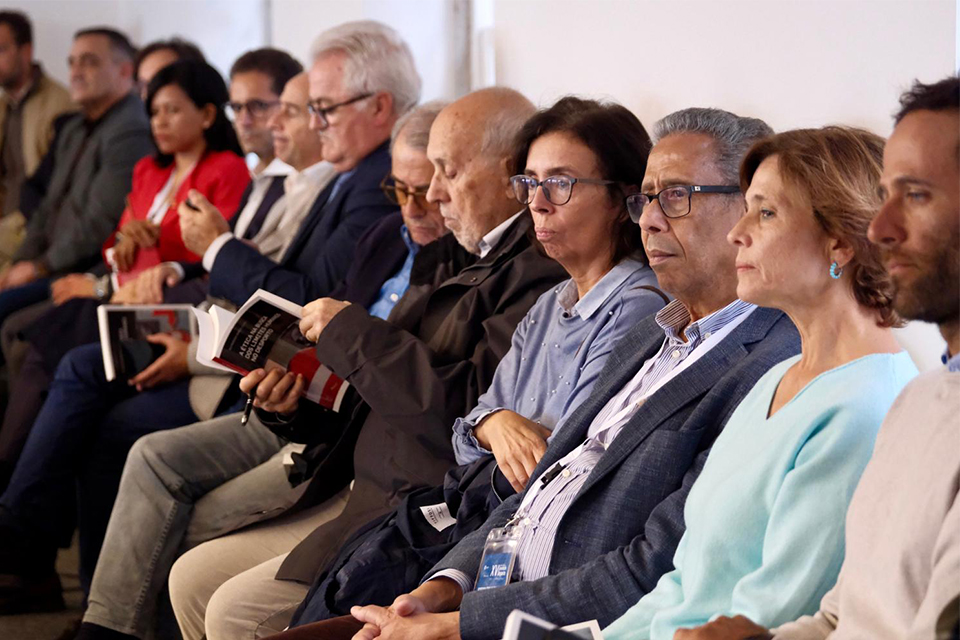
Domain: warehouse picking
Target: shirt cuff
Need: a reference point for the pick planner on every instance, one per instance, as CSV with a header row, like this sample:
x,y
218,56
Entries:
x,y
210,255
462,579
466,448
176,266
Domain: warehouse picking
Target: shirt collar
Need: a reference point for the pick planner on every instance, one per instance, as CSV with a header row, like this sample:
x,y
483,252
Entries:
x,y
276,168
674,319
599,293
953,363
489,241
412,246
312,175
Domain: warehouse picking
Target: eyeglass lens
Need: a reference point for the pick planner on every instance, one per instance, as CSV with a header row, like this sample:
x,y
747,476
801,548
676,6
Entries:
x,y
556,189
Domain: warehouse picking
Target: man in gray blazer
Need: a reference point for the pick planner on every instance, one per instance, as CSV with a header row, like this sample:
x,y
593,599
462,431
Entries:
x,y
93,166
602,514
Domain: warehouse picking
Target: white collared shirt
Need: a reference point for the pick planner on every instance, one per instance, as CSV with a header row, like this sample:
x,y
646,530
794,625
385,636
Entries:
x,y
261,182
489,241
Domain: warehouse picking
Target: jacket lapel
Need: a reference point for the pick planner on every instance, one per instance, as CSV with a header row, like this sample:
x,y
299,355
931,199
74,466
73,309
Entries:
x,y
688,385
310,222
622,365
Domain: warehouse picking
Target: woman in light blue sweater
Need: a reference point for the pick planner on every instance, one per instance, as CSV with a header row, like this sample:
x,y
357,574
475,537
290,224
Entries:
x,y
765,518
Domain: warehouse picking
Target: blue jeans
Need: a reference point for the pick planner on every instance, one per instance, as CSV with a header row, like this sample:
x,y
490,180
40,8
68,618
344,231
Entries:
x,y
75,453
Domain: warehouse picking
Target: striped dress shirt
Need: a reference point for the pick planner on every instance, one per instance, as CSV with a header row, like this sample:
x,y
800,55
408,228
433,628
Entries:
x,y
544,505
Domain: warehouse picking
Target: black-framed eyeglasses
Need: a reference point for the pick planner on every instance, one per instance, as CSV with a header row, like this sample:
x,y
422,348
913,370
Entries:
x,y
322,112
256,108
556,189
674,201
399,193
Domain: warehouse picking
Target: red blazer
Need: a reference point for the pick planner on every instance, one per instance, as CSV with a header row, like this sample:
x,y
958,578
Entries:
x,y
221,176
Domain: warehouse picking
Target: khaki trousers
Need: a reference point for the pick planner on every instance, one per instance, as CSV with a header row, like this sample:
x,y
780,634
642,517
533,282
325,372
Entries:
x,y
225,589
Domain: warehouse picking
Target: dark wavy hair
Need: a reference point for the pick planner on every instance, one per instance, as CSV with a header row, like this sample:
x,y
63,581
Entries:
x,y
203,85
182,49
618,140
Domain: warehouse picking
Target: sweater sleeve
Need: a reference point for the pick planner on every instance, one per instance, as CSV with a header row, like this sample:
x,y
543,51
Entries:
x,y
820,625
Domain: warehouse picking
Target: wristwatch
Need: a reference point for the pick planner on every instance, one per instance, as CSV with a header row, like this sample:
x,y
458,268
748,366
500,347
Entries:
x,y
102,287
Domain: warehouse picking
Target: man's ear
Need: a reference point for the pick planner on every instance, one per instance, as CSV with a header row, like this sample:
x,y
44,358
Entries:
x,y
383,107
507,171
126,70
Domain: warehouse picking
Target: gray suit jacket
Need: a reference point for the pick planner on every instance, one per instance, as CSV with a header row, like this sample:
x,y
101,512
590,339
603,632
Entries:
x,y
620,533
79,213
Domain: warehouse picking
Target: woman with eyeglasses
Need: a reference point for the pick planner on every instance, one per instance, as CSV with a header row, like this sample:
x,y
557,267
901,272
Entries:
x,y
765,518
578,159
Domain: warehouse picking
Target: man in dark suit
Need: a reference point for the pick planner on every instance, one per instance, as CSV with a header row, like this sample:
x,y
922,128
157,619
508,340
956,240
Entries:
x,y
600,519
93,167
354,125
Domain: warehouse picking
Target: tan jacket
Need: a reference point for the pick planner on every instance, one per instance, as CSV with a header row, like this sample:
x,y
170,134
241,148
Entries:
x,y
46,101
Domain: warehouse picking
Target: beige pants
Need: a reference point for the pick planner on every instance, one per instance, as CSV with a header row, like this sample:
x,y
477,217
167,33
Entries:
x,y
225,589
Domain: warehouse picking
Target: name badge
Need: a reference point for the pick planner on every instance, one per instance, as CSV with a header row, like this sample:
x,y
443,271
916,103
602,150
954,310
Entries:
x,y
499,558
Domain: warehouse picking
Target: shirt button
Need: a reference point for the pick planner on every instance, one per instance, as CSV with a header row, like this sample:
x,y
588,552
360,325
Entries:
x,y
532,321
568,384
676,354
707,334
611,313
473,279
557,346
394,297
565,473
533,399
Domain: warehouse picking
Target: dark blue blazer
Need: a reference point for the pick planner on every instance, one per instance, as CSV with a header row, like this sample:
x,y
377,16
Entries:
x,y
621,531
380,253
321,252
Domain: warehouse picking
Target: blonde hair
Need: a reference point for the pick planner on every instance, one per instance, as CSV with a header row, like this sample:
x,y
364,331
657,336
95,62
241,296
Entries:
x,y
838,171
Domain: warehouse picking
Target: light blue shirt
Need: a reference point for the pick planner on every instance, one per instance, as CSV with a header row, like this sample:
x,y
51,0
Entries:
x,y
394,288
765,519
559,348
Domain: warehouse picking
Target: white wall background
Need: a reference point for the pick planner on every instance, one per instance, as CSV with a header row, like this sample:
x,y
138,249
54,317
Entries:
x,y
223,28
794,63
428,26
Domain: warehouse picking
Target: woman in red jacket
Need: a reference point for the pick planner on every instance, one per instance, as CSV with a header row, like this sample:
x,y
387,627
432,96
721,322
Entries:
x,y
197,148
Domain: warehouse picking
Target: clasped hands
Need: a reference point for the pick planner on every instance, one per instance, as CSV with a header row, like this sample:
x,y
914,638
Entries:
x,y
411,617
427,613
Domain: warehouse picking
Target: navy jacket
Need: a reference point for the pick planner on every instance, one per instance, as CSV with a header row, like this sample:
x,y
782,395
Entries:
x,y
620,533
321,253
380,253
